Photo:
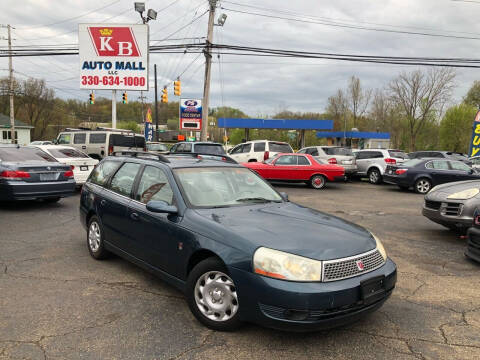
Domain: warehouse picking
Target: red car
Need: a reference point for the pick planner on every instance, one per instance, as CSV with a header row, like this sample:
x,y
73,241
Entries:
x,y
298,168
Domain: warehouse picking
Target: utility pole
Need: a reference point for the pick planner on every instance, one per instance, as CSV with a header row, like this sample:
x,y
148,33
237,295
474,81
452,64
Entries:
x,y
208,65
10,69
142,98
156,103
114,109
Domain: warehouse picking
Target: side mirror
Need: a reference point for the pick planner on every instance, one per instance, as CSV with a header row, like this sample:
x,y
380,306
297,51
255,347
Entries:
x,y
284,196
161,207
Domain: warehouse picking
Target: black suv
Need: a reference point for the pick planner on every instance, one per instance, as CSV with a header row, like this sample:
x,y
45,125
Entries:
x,y
199,147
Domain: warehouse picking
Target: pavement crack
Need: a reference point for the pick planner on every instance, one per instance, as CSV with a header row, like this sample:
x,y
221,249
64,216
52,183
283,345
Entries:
x,y
197,347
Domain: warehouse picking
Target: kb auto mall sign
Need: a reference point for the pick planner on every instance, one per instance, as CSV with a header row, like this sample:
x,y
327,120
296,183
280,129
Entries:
x,y
113,56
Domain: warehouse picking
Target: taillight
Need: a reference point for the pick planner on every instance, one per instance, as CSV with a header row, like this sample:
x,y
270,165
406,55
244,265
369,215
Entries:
x,y
110,150
332,161
72,167
400,171
390,161
266,155
476,220
14,175
68,174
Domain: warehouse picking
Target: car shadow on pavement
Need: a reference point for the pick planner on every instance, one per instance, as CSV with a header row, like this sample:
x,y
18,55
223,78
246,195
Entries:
x,y
26,205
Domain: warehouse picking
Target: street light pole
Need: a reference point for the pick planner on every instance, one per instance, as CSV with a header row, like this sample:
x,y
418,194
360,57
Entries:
x,y
208,65
10,69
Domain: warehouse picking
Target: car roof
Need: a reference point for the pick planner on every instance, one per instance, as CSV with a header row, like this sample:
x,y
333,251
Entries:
x,y
53,147
199,143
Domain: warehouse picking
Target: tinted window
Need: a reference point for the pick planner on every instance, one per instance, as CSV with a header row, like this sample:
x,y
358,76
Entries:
x,y
102,172
279,147
364,155
337,151
434,154
286,160
457,165
246,148
154,185
157,147
259,147
302,160
187,147
98,138
412,163
64,139
214,149
22,154
127,141
122,181
79,138
312,151
397,154
237,150
179,148
376,155
67,153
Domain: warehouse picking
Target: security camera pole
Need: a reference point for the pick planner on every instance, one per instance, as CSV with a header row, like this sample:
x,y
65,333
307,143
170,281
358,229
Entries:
x,y
208,64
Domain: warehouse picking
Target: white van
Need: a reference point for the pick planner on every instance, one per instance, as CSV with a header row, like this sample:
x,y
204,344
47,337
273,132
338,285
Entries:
x,y
259,150
101,142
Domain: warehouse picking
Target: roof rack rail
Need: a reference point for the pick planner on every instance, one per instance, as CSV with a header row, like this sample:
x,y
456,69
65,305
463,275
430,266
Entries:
x,y
140,154
201,156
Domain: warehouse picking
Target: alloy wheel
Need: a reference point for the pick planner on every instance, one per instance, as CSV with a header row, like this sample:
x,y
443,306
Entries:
x,y
94,236
423,186
374,176
216,296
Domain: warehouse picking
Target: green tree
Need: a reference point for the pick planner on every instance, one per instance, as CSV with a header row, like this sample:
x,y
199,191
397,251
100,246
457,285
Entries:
x,y
456,128
473,96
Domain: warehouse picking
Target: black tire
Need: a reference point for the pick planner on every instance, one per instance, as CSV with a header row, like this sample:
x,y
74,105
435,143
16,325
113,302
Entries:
x,y
422,186
374,176
99,252
317,182
212,266
52,200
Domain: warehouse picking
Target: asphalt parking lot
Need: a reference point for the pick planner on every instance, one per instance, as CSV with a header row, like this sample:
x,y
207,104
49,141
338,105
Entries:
x,y
56,302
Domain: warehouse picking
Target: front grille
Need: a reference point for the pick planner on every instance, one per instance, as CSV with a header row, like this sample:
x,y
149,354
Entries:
x,y
346,268
452,209
435,205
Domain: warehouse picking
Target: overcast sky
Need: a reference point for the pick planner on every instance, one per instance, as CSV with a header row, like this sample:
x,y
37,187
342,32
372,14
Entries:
x,y
259,86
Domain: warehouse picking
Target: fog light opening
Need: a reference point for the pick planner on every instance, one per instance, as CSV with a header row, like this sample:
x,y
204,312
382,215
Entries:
x,y
296,315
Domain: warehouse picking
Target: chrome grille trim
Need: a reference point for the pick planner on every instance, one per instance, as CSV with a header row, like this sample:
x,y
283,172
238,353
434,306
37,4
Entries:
x,y
339,269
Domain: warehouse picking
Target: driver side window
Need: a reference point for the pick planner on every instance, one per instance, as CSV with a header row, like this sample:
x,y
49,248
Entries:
x,y
154,185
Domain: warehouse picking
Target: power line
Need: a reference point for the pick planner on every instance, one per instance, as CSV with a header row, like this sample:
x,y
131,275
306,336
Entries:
x,y
333,24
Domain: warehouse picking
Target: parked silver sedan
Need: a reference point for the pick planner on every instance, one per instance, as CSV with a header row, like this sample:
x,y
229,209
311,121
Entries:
x,y
453,204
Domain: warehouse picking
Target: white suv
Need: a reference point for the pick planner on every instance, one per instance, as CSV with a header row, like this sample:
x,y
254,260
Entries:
x,y
373,162
259,150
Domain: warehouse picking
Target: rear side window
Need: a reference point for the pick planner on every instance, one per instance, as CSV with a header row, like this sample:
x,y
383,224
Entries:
x,y
259,147
154,186
79,138
302,160
102,172
438,164
280,147
127,141
122,181
64,139
213,149
67,153
22,154
286,160
312,151
457,165
337,151
98,138
397,154
246,148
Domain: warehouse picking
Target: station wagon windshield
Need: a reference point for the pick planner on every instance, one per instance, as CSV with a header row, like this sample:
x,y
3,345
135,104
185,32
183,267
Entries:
x,y
222,187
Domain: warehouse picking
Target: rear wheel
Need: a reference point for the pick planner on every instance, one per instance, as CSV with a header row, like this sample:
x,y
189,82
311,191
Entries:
x,y
374,176
212,295
422,186
95,239
317,181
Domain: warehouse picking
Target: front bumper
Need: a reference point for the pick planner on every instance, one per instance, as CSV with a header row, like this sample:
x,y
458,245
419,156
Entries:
x,y
473,244
463,220
277,303
22,190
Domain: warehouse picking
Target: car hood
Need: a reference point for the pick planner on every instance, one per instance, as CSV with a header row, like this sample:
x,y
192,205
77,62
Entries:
x,y
288,227
440,192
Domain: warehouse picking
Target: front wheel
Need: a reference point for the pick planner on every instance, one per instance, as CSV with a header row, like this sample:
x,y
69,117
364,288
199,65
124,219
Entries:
x,y
422,186
212,296
317,182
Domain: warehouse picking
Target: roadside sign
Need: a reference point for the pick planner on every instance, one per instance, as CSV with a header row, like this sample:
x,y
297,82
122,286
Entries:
x,y
113,56
190,114
191,138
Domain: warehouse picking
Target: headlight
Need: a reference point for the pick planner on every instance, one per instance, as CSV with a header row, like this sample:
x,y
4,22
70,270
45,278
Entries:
x,y
464,195
282,265
380,247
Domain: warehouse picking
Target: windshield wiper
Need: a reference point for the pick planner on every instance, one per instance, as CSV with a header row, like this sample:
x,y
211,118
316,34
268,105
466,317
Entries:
x,y
256,199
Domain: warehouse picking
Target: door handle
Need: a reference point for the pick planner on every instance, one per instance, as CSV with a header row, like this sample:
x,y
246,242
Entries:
x,y
103,202
134,216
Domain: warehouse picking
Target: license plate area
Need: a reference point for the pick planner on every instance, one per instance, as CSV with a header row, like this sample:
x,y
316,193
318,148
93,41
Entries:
x,y
373,289
83,168
48,176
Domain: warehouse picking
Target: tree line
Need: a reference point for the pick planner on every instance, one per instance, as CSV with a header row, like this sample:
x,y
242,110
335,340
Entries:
x,y
415,107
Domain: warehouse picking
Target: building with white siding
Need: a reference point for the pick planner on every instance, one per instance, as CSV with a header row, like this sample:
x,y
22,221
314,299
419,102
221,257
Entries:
x,y
22,131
